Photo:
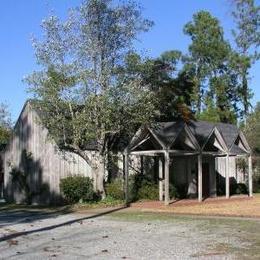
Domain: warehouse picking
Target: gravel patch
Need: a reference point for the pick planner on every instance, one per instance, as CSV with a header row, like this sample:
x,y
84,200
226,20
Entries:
x,y
108,237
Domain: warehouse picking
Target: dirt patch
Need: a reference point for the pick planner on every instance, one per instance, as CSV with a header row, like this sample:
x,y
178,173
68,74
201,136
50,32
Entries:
x,y
236,206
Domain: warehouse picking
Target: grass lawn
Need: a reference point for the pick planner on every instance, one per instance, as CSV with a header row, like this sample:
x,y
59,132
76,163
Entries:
x,y
245,231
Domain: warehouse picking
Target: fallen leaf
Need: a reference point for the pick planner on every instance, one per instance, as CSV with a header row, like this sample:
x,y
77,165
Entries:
x,y
12,242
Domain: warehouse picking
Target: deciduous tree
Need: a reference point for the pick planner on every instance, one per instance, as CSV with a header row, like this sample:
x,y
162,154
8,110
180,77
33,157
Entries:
x,y
5,124
81,97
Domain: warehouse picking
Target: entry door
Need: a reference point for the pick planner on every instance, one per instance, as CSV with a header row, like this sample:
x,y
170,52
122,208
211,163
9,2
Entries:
x,y
205,180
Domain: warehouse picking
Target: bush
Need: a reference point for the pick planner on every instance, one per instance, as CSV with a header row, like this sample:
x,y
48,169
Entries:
x,y
241,188
76,188
109,201
256,181
173,192
142,187
115,189
148,191
238,188
178,191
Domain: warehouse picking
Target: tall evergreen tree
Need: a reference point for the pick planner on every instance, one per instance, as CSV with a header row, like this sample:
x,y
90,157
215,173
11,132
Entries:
x,y
161,75
246,15
209,63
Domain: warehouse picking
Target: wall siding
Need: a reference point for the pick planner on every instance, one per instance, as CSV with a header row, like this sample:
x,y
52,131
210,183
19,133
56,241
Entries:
x,y
49,164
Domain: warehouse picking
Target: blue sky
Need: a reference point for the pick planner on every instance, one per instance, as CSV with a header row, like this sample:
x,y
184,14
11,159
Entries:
x,y
21,18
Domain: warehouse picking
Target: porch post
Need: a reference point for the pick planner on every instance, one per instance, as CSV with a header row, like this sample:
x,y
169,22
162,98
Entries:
x,y
250,178
166,176
227,177
126,169
200,177
160,179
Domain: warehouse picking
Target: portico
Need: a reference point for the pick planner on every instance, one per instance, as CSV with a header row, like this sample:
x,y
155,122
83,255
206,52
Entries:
x,y
194,148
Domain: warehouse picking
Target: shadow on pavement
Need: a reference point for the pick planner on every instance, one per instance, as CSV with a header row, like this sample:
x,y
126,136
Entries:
x,y
25,233
10,215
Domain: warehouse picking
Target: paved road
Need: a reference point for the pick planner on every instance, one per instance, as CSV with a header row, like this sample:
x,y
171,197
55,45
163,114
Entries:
x,y
39,235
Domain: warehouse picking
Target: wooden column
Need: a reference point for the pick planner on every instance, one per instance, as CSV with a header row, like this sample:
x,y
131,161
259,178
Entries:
x,y
167,177
126,173
227,177
142,164
199,177
160,179
250,176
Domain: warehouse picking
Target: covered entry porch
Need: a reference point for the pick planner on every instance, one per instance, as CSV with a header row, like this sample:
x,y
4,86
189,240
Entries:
x,y
196,152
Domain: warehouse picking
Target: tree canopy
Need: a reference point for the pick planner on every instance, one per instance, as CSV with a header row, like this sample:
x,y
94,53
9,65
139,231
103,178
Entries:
x,y
246,16
92,85
82,97
5,124
252,129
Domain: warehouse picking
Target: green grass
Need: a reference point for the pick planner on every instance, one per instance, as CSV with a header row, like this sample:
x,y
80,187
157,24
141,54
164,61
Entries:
x,y
107,202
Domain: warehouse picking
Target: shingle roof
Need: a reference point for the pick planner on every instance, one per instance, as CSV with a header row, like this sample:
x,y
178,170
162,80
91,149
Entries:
x,y
201,130
229,133
168,131
237,150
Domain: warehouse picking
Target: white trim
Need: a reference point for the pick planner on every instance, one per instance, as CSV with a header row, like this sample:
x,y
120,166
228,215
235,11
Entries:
x,y
243,138
175,138
156,138
141,142
244,141
192,137
135,137
148,152
219,137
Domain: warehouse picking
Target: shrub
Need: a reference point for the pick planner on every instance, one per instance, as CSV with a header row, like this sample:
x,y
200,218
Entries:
x,y
139,183
109,201
173,191
238,188
76,188
115,189
178,191
241,188
256,181
148,191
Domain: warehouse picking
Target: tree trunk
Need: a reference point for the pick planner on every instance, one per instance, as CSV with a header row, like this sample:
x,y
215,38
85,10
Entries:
x,y
97,164
245,94
98,168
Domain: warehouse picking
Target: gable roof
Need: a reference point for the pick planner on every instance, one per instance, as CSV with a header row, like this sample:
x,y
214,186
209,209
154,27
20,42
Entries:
x,y
201,130
167,132
229,133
